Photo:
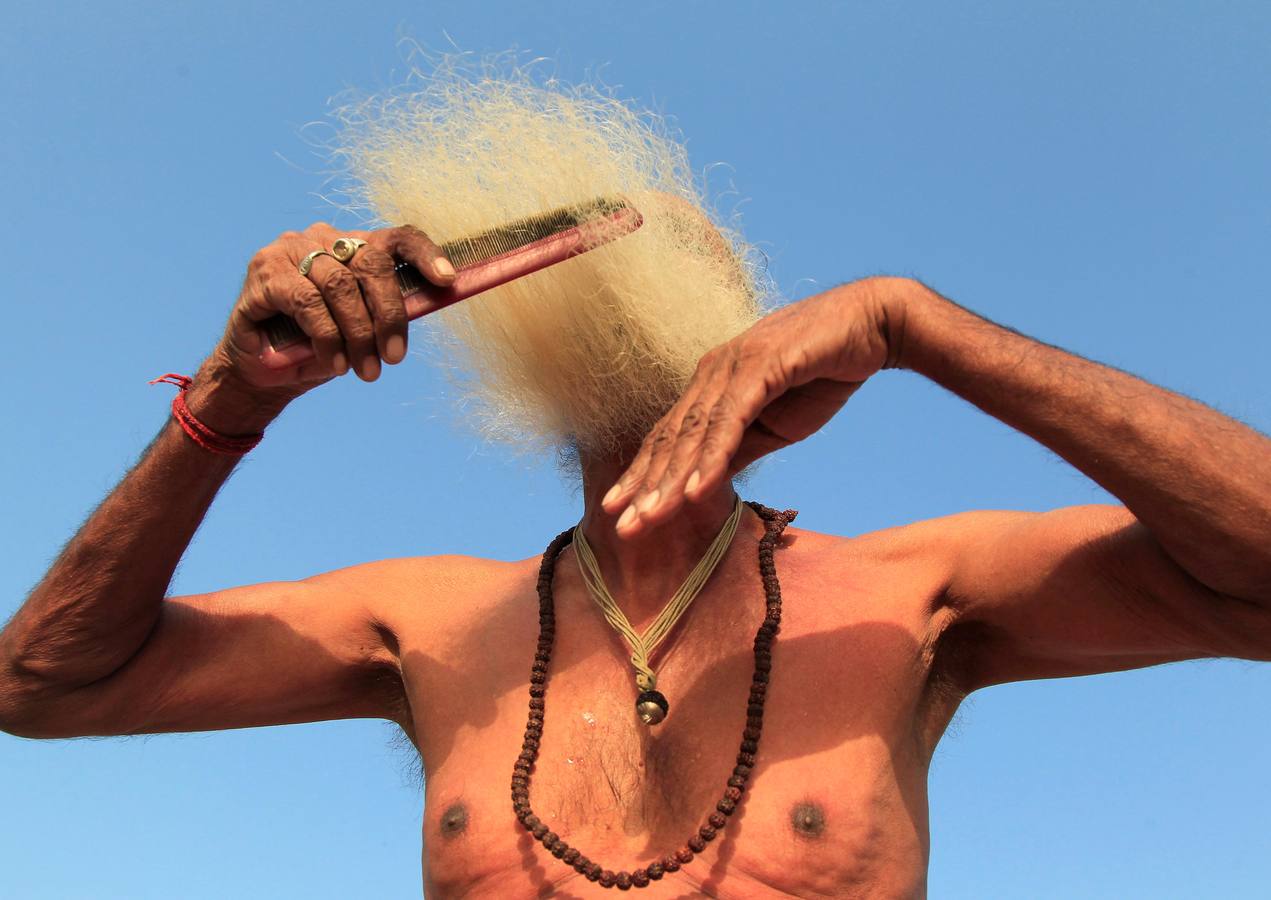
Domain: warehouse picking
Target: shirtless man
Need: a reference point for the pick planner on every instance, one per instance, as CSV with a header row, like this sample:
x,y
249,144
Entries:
x,y
882,634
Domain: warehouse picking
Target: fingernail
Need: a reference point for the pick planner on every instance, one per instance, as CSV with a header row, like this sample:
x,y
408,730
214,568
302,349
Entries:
x,y
340,363
693,481
649,502
627,517
394,348
612,495
371,368
442,267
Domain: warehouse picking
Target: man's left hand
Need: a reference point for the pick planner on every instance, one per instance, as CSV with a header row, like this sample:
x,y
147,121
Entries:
x,y
774,384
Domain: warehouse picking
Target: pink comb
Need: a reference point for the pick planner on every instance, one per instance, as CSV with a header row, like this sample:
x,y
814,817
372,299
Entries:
x,y
481,262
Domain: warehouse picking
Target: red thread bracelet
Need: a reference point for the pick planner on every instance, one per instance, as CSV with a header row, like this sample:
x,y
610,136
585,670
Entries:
x,y
199,433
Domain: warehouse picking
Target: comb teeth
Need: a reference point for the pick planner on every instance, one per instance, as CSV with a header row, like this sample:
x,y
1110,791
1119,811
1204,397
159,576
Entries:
x,y
466,251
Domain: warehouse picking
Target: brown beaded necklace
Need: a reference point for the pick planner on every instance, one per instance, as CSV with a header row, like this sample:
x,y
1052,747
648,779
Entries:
x,y
775,523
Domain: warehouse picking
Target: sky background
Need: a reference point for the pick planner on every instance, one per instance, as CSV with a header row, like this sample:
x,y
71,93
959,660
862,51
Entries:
x,y
1093,174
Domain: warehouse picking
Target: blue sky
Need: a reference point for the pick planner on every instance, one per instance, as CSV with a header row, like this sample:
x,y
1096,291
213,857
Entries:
x,y
1094,174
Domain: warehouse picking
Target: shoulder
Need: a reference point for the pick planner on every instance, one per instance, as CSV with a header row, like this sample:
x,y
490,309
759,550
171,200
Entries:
x,y
914,563
411,573
417,581
427,595
892,572
941,540
926,541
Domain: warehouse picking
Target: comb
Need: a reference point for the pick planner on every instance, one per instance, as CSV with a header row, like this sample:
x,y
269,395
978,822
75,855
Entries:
x,y
483,261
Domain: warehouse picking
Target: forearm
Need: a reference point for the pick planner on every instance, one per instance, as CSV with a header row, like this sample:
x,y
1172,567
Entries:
x,y
1198,480
100,599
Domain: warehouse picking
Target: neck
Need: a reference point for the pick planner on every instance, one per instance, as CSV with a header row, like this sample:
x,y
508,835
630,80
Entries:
x,y
644,571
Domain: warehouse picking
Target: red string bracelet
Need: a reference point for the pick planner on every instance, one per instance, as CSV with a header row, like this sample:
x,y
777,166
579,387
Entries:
x,y
199,433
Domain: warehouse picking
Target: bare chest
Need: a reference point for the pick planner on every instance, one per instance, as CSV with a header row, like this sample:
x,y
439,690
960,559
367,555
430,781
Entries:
x,y
835,801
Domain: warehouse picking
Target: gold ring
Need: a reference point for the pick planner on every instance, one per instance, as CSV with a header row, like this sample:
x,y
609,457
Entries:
x,y
307,263
344,248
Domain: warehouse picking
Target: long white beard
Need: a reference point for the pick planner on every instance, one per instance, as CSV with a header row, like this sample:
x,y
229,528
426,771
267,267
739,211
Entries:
x,y
590,353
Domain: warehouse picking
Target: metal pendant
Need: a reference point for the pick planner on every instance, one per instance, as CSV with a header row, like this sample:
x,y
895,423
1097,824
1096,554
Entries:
x,y
652,707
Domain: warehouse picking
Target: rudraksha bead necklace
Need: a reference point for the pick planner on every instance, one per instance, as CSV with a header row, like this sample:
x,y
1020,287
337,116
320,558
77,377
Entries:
x,y
775,523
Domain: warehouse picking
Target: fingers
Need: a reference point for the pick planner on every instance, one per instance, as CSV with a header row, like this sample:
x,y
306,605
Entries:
x,y
353,313
636,483
276,286
411,245
373,318
688,454
363,296
341,293
375,271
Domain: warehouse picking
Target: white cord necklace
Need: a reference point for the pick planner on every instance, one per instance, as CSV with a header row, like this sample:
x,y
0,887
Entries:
x,y
651,705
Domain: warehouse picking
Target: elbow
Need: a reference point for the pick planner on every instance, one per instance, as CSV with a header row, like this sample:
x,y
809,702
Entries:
x,y
23,709
26,721
43,711
16,716
38,703
10,705
17,725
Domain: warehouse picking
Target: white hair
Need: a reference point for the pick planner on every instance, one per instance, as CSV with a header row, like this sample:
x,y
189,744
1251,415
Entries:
x,y
589,353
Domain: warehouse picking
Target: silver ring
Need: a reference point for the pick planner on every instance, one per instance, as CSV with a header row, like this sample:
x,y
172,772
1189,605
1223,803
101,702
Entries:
x,y
346,247
307,263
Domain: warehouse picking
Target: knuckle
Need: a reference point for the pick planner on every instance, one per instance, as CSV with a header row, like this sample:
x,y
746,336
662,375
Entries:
x,y
649,479
306,298
263,259
373,262
410,236
324,332
326,345
674,465
694,419
391,319
339,281
359,333
718,438
721,411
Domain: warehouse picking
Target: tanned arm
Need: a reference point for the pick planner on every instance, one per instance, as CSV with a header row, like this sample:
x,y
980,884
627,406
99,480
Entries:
x,y
1182,570
100,600
95,649
1198,480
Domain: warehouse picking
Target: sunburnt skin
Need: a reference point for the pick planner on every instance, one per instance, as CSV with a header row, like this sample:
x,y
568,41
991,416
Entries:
x,y
881,634
625,794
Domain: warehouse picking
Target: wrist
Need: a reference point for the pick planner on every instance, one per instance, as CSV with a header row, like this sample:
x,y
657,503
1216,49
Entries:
x,y
941,337
903,308
228,405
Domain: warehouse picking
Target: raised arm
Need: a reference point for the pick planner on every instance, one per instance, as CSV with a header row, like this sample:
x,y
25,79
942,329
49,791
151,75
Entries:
x,y
100,609
1182,570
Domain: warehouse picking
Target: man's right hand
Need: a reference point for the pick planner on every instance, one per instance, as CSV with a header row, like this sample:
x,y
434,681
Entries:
x,y
353,314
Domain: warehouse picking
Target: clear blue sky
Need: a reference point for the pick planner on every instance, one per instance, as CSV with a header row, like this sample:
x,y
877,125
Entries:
x,y
1094,174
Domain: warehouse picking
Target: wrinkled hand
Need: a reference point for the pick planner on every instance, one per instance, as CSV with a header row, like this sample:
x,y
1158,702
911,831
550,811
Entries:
x,y
773,385
353,314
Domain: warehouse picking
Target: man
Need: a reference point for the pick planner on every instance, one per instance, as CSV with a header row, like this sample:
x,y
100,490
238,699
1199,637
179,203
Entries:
x,y
838,707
